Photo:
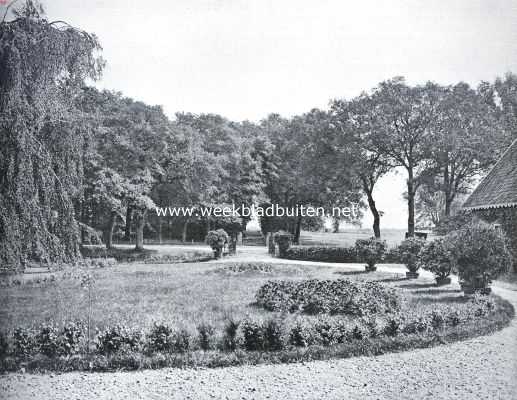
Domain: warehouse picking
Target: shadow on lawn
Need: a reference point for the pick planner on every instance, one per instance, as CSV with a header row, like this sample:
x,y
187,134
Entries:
x,y
444,299
437,291
418,285
387,280
350,272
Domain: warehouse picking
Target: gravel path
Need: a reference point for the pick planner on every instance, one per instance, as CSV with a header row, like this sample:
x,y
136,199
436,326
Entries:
x,y
480,368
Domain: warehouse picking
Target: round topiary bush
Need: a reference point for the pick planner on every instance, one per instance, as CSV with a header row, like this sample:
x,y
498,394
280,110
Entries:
x,y
371,251
482,254
217,240
408,251
283,240
437,257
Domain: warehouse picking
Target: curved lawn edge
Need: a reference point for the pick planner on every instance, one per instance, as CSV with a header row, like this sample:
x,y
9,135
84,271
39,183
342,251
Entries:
x,y
368,347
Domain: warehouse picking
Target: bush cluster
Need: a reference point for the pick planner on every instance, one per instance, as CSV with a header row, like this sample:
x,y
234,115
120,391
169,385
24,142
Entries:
x,y
217,240
481,252
408,252
48,340
339,296
371,251
437,256
283,240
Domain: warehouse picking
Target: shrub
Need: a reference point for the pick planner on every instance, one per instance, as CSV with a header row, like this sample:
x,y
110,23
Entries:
x,y
418,325
373,326
70,338
160,339
206,332
113,339
253,335
284,240
437,319
324,254
393,325
437,257
301,334
4,344
273,335
359,332
47,340
23,342
339,296
481,252
229,341
408,251
371,251
216,240
182,341
325,332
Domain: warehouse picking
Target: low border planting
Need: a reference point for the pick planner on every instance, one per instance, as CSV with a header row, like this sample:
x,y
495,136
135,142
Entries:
x,y
251,341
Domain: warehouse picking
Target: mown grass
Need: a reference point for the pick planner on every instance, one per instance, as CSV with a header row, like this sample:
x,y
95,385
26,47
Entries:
x,y
187,294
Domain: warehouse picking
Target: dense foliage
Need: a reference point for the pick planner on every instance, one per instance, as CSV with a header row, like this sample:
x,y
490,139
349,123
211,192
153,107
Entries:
x,y
370,251
437,256
408,252
481,253
42,67
324,254
327,296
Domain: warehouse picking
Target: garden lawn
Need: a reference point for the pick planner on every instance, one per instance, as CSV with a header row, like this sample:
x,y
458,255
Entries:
x,y
187,294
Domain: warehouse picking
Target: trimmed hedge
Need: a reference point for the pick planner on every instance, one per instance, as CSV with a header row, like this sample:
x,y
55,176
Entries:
x,y
336,254
325,254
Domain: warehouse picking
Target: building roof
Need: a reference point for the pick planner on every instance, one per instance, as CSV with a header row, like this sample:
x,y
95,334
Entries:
x,y
499,188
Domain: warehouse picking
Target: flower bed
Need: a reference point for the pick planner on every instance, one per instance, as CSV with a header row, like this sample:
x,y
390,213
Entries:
x,y
249,341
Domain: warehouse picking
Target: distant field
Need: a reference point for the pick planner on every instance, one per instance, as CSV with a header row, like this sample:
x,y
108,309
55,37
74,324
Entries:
x,y
348,237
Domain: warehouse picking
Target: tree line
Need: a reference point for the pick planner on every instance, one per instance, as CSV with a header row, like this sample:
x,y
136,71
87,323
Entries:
x,y
76,161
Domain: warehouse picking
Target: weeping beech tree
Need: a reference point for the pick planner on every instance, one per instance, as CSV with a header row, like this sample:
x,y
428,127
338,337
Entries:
x,y
42,66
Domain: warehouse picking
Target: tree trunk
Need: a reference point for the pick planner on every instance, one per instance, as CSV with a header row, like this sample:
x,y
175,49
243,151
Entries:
x,y
140,223
160,230
335,225
375,213
184,232
127,231
411,203
111,228
447,189
298,230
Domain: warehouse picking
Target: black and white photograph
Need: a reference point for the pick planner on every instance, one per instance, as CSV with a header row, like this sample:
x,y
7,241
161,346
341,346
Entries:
x,y
258,199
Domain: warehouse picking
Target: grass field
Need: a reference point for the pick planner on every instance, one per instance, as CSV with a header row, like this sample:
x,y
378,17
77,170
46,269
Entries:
x,y
185,294
348,237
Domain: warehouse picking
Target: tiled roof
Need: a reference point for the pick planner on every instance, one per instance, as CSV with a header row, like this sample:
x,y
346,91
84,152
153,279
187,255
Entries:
x,y
499,188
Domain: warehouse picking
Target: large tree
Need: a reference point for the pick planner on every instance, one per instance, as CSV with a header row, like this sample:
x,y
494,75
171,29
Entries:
x,y
357,143
466,141
43,64
401,120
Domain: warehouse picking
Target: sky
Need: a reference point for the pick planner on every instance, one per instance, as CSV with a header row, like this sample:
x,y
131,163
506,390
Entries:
x,y
244,59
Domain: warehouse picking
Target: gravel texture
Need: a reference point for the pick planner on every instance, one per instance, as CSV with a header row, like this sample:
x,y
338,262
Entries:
x,y
480,368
